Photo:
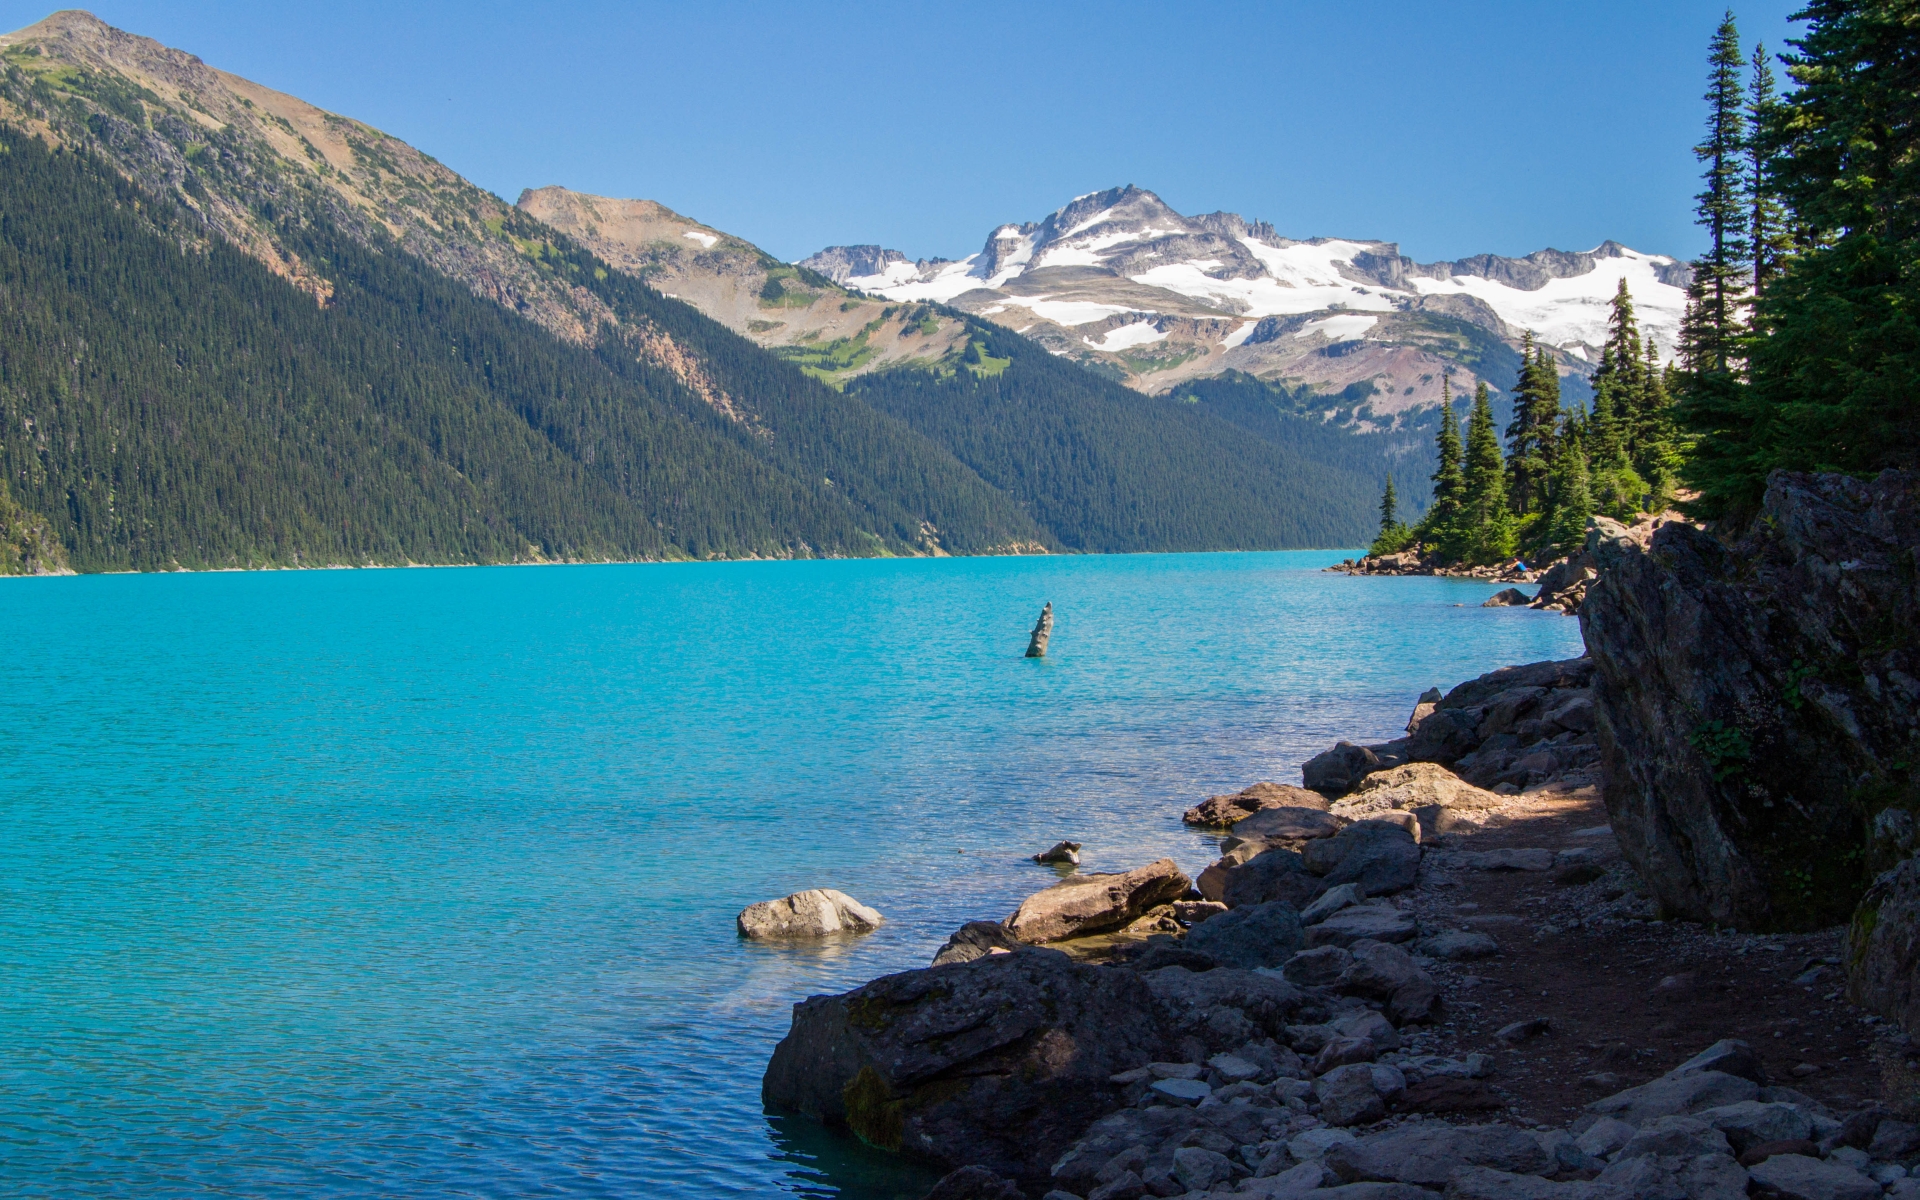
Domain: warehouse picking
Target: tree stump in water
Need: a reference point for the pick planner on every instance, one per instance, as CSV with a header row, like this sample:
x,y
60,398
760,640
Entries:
x,y
1042,630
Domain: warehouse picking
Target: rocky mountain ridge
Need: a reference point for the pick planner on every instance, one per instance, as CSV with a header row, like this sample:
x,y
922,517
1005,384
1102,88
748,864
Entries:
x,y
1124,284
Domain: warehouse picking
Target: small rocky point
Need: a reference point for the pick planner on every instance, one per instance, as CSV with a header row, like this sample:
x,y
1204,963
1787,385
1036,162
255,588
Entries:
x,y
1555,942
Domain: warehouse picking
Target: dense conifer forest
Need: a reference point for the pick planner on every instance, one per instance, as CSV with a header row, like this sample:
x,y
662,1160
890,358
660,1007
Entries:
x,y
1108,469
169,402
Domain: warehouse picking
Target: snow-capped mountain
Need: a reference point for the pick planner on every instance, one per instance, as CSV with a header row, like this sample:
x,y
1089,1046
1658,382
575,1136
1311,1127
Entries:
x,y
1119,280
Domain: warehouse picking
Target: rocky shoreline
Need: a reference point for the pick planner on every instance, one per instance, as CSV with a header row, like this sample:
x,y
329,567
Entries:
x,y
1440,967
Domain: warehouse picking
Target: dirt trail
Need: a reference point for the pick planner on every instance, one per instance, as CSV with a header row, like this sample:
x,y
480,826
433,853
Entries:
x,y
1627,997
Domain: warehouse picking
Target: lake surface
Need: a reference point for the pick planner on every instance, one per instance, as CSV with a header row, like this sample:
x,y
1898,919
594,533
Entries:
x,y
422,883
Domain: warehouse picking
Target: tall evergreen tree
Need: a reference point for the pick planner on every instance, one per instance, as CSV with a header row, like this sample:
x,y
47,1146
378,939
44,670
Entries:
x,y
1767,235
1488,522
1571,492
1393,535
1389,507
1536,415
1440,529
1835,365
1713,324
1654,448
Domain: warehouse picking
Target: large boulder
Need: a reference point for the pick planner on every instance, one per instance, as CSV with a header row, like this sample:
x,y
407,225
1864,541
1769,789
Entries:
x,y
1883,947
1217,811
1089,904
998,1063
1275,874
821,912
1416,785
976,939
1380,856
1336,770
1259,935
1755,699
1291,823
1224,1008
1429,1152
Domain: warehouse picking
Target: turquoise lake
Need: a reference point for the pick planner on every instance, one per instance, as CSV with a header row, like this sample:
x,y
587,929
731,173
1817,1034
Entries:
x,y
422,882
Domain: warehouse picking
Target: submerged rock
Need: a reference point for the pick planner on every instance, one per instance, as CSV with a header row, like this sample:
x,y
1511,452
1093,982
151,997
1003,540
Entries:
x,y
1060,852
811,914
1217,811
976,939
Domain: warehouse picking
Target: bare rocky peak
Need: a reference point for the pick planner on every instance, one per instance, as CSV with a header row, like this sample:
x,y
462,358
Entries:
x,y
841,263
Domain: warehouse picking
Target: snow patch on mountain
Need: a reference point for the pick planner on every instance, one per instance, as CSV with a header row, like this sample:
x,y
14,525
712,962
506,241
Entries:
x,y
1139,333
1340,328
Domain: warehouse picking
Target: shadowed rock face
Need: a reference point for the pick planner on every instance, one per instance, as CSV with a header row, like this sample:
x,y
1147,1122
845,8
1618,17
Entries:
x,y
1754,702
1000,1063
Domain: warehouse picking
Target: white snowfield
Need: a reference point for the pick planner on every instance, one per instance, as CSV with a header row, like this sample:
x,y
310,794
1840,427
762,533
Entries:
x,y
1340,328
1139,333
705,239
1250,273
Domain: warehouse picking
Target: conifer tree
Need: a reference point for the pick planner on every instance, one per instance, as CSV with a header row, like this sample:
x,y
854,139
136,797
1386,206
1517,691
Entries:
x,y
1393,535
1712,329
1654,449
1440,529
1487,521
1536,412
1835,360
1572,493
1767,235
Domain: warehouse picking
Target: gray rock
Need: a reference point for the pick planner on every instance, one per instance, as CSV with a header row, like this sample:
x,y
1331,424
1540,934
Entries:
x,y
1273,874
821,912
1711,702
1415,1003
1458,945
1429,1152
1389,1081
1347,1096
1707,1177
1382,858
1675,1094
1751,1122
1088,904
1341,1051
1234,1069
1201,1169
1372,1191
1298,1180
1520,1031
1507,598
1336,770
1446,736
1365,1023
1729,1056
1312,1146
975,1183
1575,713
1124,1186
1604,1136
976,939
1223,1008
1379,970
1262,935
1000,1063
1507,859
1484,1183
1564,1149
1288,823
1797,1177
1904,1189
1364,922
1180,1091
1676,1137
1320,967
1331,901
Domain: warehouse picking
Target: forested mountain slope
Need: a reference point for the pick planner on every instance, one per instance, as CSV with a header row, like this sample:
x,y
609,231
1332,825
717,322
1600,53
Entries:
x,y
240,330
1107,469
187,407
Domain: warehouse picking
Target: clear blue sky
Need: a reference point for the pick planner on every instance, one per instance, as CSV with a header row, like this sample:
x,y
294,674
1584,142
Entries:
x,y
1451,128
